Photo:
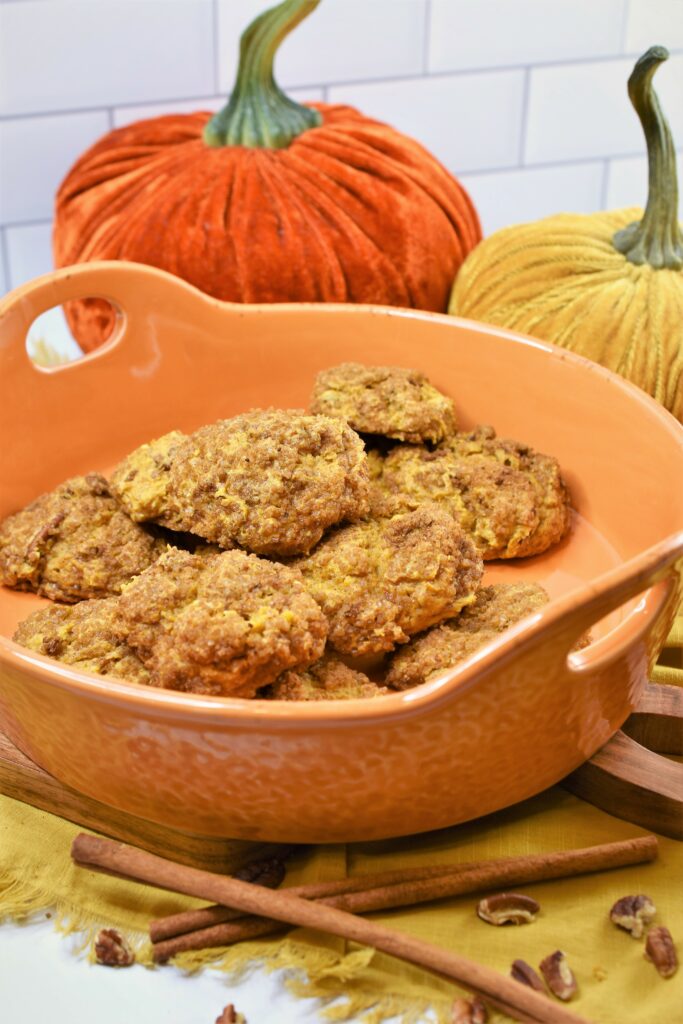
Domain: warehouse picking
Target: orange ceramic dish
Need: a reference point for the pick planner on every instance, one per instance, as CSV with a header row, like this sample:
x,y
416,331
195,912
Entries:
x,y
515,718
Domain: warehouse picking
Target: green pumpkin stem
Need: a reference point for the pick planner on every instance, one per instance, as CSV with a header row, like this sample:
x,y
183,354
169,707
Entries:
x,y
259,114
657,238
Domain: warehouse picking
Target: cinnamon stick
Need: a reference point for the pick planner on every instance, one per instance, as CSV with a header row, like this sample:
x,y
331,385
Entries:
x,y
466,878
500,991
206,917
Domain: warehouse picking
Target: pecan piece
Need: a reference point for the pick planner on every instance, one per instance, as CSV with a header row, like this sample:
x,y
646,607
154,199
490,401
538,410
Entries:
x,y
523,972
230,1016
469,1011
269,872
660,950
508,908
558,975
632,913
112,950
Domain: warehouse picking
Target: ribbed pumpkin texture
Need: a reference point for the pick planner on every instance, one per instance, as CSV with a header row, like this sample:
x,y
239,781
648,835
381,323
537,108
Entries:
x,y
607,285
267,201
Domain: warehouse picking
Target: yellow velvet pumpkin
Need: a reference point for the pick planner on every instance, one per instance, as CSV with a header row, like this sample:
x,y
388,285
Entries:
x,y
606,285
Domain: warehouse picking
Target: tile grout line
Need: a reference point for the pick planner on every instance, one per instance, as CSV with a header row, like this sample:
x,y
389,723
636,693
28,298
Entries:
x,y
426,43
4,249
489,70
369,82
604,187
216,48
67,111
38,222
538,165
526,88
624,24
598,58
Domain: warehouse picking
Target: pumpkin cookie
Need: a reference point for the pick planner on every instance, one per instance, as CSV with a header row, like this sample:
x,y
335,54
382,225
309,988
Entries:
x,y
84,635
509,498
380,581
495,609
222,624
74,543
269,481
327,679
140,482
387,400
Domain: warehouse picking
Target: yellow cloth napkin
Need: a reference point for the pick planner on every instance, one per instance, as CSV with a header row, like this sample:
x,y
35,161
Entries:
x,y
617,985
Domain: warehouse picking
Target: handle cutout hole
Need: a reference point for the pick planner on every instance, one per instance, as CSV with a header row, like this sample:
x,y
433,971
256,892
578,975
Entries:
x,y
622,627
671,657
64,334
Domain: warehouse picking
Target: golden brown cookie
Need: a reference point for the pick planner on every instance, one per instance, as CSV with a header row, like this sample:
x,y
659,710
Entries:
x,y
380,581
509,498
74,543
327,679
388,400
269,481
84,635
140,482
220,624
495,609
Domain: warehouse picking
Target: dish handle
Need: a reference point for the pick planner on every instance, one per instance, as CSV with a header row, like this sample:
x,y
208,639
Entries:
x,y
655,576
131,288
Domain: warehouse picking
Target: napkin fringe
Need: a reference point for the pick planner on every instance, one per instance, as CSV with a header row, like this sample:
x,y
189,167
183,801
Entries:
x,y
339,980
22,900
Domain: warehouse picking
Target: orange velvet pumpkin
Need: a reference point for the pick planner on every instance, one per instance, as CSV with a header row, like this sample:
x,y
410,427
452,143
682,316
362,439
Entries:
x,y
267,201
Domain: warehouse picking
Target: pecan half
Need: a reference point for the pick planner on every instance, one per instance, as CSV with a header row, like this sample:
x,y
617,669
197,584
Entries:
x,y
112,950
508,908
269,873
632,913
523,972
660,950
469,1011
558,975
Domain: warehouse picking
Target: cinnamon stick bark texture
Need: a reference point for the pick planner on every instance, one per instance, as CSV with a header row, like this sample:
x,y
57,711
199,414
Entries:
x,y
455,880
500,991
207,917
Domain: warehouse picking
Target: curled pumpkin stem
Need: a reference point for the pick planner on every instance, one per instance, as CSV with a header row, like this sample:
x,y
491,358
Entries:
x,y
657,238
259,114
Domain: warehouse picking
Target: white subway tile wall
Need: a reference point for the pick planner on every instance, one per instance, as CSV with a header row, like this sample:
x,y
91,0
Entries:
x,y
447,113
628,178
654,18
36,154
488,33
579,110
29,251
75,54
341,41
526,99
512,197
